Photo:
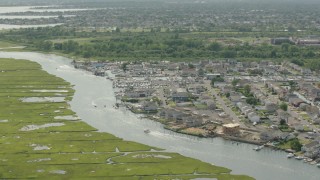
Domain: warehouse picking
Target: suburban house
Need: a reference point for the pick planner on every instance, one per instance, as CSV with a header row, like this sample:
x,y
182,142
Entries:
x,y
180,95
192,121
149,106
312,149
139,93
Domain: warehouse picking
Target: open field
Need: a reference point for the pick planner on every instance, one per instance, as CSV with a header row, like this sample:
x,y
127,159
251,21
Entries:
x,y
41,137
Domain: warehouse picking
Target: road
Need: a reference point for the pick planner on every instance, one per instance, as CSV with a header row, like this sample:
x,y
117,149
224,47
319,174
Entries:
x,y
225,108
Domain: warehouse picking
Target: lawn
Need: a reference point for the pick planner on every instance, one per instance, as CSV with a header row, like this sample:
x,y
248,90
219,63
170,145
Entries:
x,y
36,142
4,44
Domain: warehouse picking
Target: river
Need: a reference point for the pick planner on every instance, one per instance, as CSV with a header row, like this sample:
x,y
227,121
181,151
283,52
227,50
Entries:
x,y
20,9
263,165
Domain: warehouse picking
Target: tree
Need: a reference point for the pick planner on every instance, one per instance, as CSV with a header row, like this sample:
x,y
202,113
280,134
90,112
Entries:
x,y
70,46
212,82
292,85
201,72
124,67
227,94
229,54
235,82
295,145
284,106
215,47
191,66
247,89
47,45
252,101
285,47
297,62
283,122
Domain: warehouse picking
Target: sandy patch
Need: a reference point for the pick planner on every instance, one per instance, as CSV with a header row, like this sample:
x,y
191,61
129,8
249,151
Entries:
x,y
35,127
43,99
152,156
71,118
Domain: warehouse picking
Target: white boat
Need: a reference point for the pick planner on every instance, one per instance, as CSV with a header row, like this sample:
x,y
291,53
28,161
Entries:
x,y
299,157
290,155
146,131
318,165
258,148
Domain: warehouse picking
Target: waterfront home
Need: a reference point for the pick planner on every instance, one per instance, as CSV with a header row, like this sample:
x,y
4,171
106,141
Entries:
x,y
149,106
312,149
192,121
172,114
268,135
310,146
139,93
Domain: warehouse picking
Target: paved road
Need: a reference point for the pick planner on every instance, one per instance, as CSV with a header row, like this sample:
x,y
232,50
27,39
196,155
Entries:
x,y
226,109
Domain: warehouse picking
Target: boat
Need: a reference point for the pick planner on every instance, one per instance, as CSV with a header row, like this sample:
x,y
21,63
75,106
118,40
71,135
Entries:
x,y
318,165
258,148
299,157
290,155
146,131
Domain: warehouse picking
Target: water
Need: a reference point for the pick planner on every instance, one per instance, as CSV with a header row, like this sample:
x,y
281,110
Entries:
x,y
17,9
265,165
31,17
10,26
10,9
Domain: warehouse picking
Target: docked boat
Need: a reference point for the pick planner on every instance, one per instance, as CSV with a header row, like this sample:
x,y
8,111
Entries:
x,y
258,148
318,165
146,131
299,157
290,155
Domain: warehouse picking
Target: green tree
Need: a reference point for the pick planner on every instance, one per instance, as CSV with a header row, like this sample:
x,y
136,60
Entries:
x,y
46,45
284,106
212,82
247,89
285,47
283,122
229,54
252,101
235,82
124,66
215,46
295,145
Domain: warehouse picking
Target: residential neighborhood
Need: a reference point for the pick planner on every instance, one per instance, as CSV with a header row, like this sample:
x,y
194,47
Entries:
x,y
264,103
